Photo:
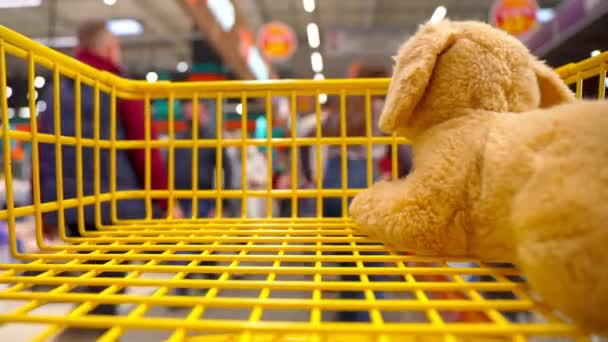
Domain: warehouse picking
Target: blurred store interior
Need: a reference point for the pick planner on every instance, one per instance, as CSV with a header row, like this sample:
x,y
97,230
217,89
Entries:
x,y
216,40
265,39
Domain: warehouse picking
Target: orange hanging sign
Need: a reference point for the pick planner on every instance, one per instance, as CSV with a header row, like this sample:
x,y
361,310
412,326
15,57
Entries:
x,y
277,41
516,17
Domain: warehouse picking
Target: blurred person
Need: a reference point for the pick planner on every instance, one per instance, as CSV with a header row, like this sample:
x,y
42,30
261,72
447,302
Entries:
x,y
99,48
283,154
404,162
257,177
207,178
306,173
356,165
207,165
281,178
356,155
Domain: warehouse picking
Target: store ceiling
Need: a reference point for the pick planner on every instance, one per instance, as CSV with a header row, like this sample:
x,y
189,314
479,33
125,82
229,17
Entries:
x,y
164,42
167,28
397,18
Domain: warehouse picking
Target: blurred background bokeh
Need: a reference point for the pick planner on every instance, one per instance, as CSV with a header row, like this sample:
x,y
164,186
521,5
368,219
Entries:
x,y
217,40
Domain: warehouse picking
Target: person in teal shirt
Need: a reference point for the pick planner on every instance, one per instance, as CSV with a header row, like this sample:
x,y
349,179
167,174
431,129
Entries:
x,y
261,130
280,159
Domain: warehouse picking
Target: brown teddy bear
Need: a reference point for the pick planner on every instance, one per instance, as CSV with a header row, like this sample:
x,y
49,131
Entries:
x,y
508,166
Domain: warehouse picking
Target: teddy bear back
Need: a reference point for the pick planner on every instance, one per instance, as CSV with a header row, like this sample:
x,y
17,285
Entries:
x,y
452,68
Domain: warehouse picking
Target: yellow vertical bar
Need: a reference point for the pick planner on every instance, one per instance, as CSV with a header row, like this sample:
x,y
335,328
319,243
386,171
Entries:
x,y
147,157
319,167
96,156
268,154
3,95
244,134
58,156
602,82
219,122
8,174
579,86
343,153
114,209
368,134
35,153
78,127
195,145
317,296
171,157
294,156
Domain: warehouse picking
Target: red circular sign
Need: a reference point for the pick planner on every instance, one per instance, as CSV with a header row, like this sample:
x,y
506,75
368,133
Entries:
x,y
517,17
277,41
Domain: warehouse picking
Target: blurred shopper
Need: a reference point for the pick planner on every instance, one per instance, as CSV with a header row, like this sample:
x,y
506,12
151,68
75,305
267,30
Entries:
x,y
206,170
404,162
356,164
280,155
306,126
257,178
99,48
281,179
356,155
281,176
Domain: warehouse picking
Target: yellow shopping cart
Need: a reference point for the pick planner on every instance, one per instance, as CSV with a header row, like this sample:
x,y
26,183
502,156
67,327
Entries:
x,y
288,279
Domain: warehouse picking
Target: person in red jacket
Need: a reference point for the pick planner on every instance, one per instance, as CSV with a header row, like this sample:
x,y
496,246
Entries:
x,y
99,48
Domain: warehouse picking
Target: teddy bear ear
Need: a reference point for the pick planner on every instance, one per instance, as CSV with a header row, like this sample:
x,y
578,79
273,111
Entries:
x,y
414,66
553,90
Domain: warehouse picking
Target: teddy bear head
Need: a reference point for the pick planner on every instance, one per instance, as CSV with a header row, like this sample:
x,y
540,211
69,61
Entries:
x,y
451,68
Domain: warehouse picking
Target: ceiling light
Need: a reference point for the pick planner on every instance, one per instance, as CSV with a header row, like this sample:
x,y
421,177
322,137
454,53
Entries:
x,y
109,2
438,15
11,113
239,109
35,95
316,61
19,3
59,42
323,98
257,64
182,66
544,15
125,27
152,77
39,82
224,13
24,112
309,5
312,30
319,77
40,106
9,92
595,53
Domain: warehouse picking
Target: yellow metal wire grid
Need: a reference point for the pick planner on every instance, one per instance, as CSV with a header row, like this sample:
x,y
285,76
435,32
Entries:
x,y
257,279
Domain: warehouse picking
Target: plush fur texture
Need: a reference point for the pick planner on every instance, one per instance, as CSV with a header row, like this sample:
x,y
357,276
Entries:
x,y
508,166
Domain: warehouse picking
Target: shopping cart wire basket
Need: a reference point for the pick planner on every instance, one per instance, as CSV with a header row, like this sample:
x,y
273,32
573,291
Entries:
x,y
255,278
